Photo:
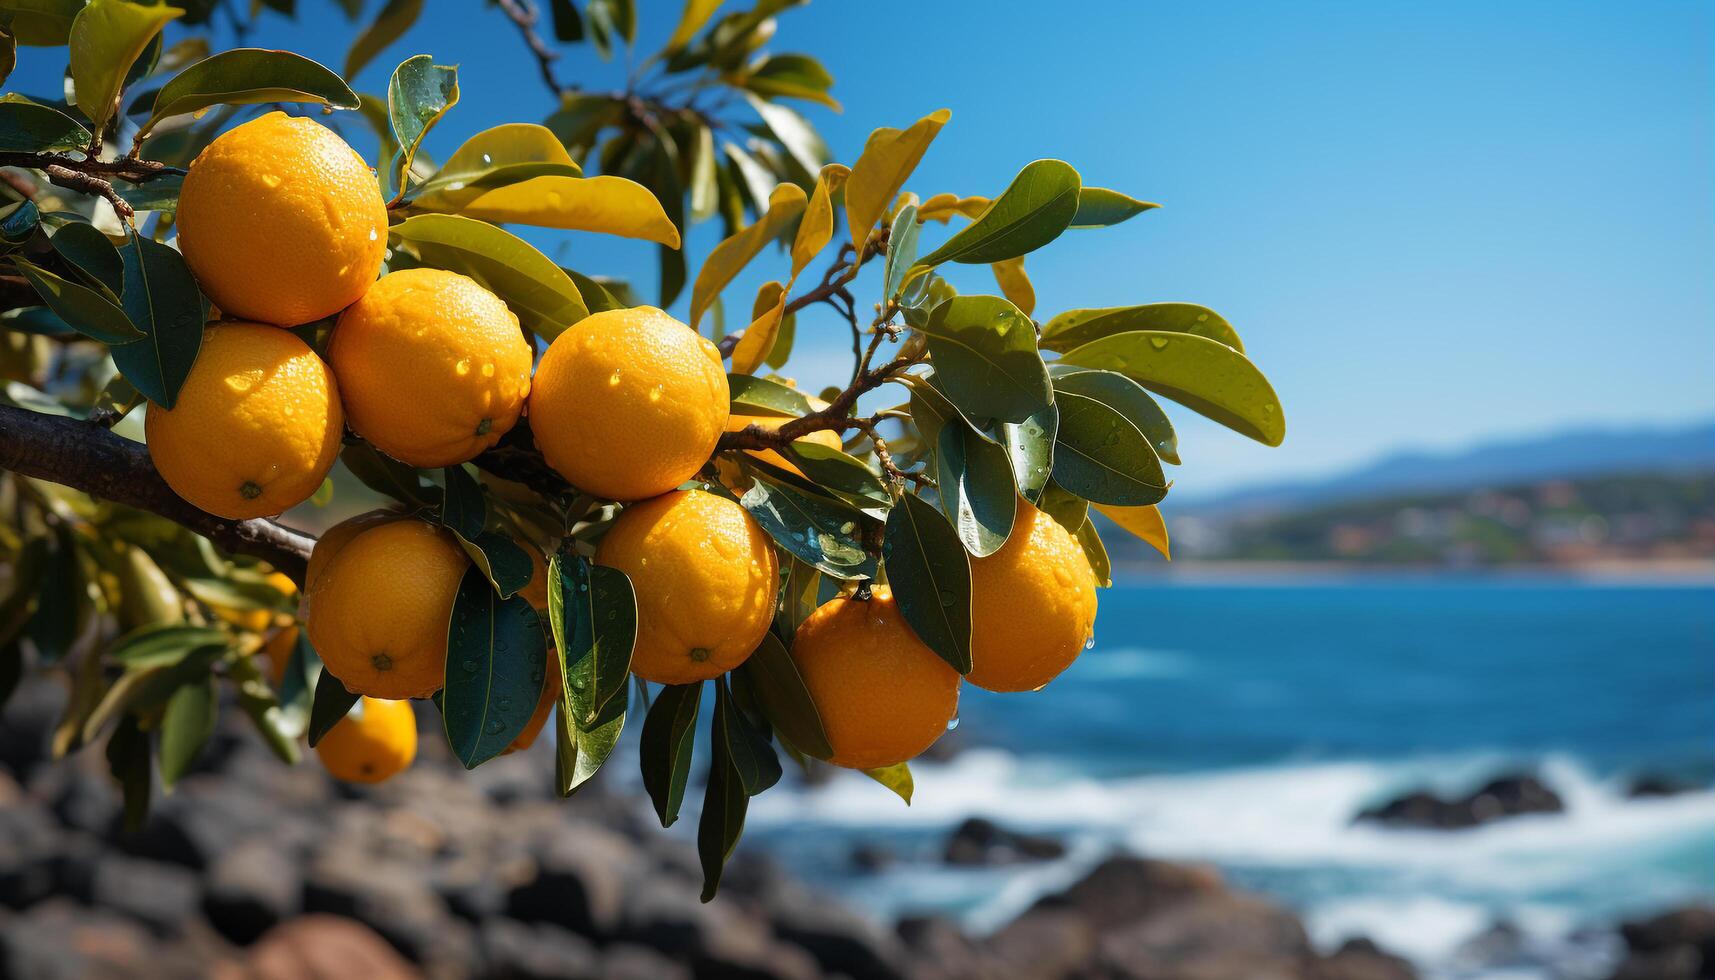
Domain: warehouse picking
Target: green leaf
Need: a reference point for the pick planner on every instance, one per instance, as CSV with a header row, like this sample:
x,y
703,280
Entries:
x,y
132,764
722,824
162,645
388,476
1030,213
40,23
158,194
329,706
1067,508
669,732
106,37
1129,399
395,18
464,510
18,221
792,76
930,575
278,727
504,155
1101,456
496,659
901,250
794,133
250,76
1074,328
544,297
186,727
418,95
760,396
785,204
819,531
839,471
30,127
162,300
752,757
568,24
592,612
1099,207
975,480
1030,447
84,309
501,560
1096,553
91,253
582,751
896,778
783,698
1205,376
984,352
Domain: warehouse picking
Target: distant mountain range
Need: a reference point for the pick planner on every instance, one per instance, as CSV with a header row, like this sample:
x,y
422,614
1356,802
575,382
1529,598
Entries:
x,y
1572,453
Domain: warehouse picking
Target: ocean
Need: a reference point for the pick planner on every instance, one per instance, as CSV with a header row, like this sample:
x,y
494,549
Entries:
x,y
1246,723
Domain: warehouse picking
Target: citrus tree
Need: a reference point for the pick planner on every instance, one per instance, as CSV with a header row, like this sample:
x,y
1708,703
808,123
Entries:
x,y
595,511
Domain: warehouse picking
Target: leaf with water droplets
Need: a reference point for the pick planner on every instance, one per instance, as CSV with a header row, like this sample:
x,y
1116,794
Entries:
x,y
985,358
464,510
1206,376
581,751
495,659
418,95
1101,456
592,611
816,529
760,396
752,757
664,752
930,575
1129,399
1076,327
1030,447
976,483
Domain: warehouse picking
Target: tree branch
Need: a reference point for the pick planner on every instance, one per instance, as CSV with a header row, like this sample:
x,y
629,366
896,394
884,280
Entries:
x,y
88,175
91,459
523,13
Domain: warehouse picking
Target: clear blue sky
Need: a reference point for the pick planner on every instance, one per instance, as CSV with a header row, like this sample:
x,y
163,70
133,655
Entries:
x,y
1432,223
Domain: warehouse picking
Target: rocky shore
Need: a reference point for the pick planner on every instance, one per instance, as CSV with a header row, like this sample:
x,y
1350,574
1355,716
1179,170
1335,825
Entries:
x,y
254,869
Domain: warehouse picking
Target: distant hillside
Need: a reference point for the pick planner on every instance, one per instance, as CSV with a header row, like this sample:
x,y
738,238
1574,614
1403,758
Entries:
x,y
1571,454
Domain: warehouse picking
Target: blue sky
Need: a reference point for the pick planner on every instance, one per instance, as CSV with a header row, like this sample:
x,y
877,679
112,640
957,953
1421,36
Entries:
x,y
1432,223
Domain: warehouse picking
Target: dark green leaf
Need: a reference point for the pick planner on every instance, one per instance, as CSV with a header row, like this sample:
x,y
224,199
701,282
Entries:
x,y
1205,376
464,510
975,480
669,732
91,253
501,560
1096,553
1129,399
162,645
18,221
1099,207
161,299
752,757
597,295
496,659
1030,447
53,628
186,726
330,704
724,804
30,127
395,18
568,24
544,297
794,76
930,575
760,396
901,250
1076,327
158,194
1101,456
783,699
592,611
984,352
1033,211
131,763
419,93
250,76
84,309
8,61
388,476
841,472
819,531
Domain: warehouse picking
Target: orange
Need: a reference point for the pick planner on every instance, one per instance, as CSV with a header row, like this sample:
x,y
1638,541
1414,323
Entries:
x,y
433,367
883,696
378,613
1033,604
551,688
280,221
340,535
278,652
258,618
375,743
706,577
773,457
256,427
628,404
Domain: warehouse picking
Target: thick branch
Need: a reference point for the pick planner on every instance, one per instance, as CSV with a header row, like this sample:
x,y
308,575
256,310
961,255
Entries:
x,y
89,175
88,458
836,416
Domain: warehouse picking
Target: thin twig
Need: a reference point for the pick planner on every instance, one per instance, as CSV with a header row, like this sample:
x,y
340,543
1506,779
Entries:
x,y
524,14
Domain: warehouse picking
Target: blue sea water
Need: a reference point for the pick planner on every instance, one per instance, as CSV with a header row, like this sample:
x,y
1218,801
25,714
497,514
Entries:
x,y
1245,724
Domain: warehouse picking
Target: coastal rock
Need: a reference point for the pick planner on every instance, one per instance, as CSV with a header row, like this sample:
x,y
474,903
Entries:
x,y
978,841
251,889
162,897
535,951
1654,787
1676,945
1360,959
1508,796
316,946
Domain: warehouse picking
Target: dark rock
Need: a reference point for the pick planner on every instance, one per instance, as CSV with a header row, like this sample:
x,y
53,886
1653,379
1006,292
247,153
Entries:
x,y
1045,943
1361,959
81,799
202,819
578,881
29,845
393,899
1675,945
524,951
162,897
938,949
623,961
841,940
315,946
27,724
61,940
1124,889
251,889
1215,935
978,841
1508,796
1655,787
870,858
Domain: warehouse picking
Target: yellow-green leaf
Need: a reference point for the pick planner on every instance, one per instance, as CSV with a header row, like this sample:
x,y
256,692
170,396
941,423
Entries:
x,y
758,339
1099,207
250,76
896,778
40,23
544,297
395,18
785,204
697,13
1143,522
1074,328
1014,284
1033,210
501,155
606,204
817,228
106,37
942,207
1204,375
889,156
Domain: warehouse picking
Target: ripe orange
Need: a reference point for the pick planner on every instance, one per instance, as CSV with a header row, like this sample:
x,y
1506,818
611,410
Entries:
x,y
256,427
378,612
280,221
340,535
883,696
821,437
706,577
278,653
433,367
628,404
377,743
1033,604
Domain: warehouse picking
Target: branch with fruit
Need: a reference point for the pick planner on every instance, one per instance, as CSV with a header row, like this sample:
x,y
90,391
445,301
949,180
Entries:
x,y
591,510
